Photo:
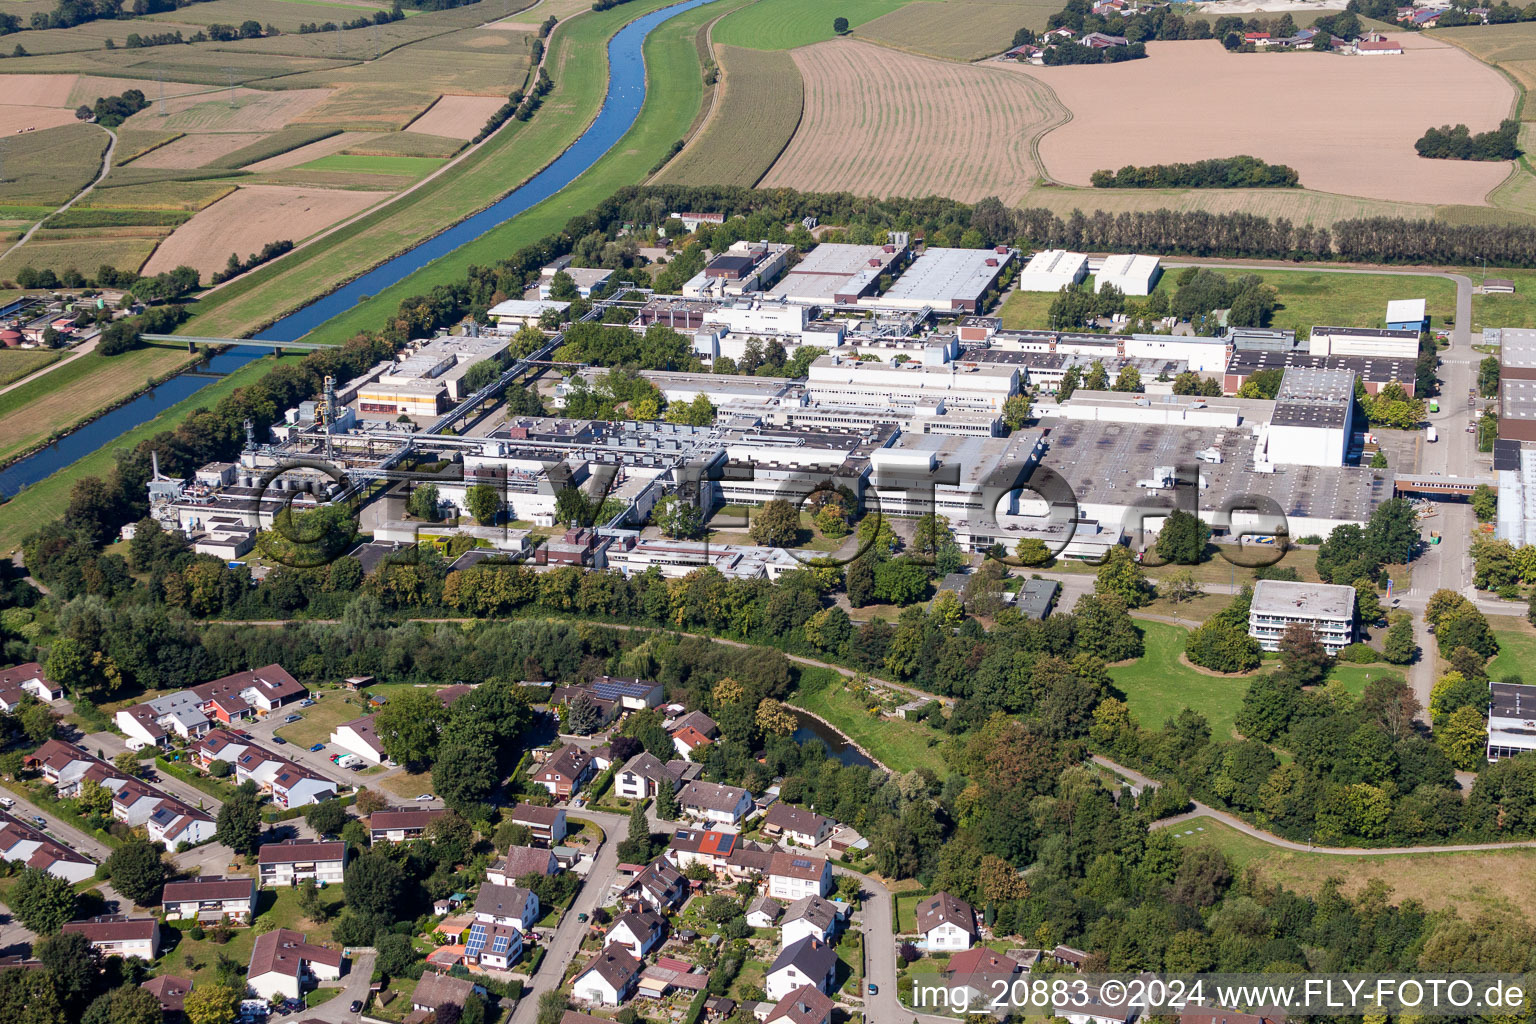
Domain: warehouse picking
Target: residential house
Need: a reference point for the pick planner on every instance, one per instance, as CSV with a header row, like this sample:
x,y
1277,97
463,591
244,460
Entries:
x,y
690,742
495,946
608,979
435,991
846,840
643,776
805,1005
805,828
191,713
1102,40
690,846
171,993
975,976
711,802
507,904
1069,957
20,841
360,737
807,962
946,922
295,860
22,680
290,784
564,772
210,898
63,765
284,964
166,820
659,886
764,912
119,935
1090,1008
699,722
546,823
402,824
669,974
793,875
638,931
809,916
520,862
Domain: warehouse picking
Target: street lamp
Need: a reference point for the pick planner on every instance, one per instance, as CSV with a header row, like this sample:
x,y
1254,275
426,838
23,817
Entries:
x,y
1485,271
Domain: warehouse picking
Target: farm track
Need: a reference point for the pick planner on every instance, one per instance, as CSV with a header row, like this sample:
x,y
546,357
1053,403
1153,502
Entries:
x,y
106,168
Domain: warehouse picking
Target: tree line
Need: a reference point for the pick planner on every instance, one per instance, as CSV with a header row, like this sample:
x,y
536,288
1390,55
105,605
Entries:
x,y
1458,143
1159,23
1220,172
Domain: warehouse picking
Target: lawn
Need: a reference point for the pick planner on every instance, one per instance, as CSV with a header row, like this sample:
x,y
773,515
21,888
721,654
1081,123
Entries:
x,y
1308,298
319,721
18,363
483,176
1517,310
1158,685
1354,677
1500,881
786,24
407,785
906,911
1517,649
1027,309
900,745
34,505
57,402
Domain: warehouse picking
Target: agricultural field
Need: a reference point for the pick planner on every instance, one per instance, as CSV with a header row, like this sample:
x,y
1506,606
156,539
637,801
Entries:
x,y
364,107
786,24
406,143
883,123
1300,206
277,143
250,218
956,29
456,117
123,248
75,392
46,168
15,119
229,110
303,154
133,143
1161,110
199,149
754,117
18,363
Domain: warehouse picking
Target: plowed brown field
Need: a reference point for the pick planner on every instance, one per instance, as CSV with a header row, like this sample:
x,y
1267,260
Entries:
x,y
882,123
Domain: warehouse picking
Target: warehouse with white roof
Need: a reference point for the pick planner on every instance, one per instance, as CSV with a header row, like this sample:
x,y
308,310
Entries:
x,y
1051,270
1133,275
948,280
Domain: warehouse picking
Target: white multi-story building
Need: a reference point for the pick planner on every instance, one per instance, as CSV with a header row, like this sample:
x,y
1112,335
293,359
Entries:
x,y
1051,270
835,380
1327,608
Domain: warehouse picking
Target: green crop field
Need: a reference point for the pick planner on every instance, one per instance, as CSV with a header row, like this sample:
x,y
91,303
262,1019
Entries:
x,y
1308,298
1158,685
83,253
48,167
18,363
44,499
786,24
77,391
278,142
161,195
133,143
752,122
402,166
955,29
406,144
484,175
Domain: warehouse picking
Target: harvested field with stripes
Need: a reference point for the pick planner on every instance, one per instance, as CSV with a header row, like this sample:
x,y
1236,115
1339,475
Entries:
x,y
753,120
957,29
883,123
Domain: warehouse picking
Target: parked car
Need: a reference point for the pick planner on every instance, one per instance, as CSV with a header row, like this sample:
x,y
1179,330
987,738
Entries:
x,y
278,740
355,767
426,796
357,1006
317,748
306,703
874,989
7,802
293,718
39,821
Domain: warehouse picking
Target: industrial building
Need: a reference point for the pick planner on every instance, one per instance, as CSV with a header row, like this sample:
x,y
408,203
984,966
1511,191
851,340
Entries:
x,y
1407,315
962,478
422,381
1313,418
744,267
1511,720
839,381
1133,275
1393,343
837,274
586,279
949,280
1375,372
1278,604
1051,270
515,313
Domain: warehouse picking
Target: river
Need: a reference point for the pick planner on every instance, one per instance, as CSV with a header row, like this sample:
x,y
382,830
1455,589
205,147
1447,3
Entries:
x,y
812,729
621,106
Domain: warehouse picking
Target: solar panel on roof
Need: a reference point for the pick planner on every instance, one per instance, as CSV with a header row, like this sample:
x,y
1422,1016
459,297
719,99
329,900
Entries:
x,y
501,944
476,941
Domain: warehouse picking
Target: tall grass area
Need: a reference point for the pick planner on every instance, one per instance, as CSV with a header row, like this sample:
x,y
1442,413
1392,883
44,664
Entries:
x,y
896,743
577,64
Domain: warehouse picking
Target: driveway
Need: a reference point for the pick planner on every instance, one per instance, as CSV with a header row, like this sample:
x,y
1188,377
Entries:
x,y
61,830
354,986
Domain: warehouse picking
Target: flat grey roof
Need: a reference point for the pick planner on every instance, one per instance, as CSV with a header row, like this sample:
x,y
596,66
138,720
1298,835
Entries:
x,y
1517,399
944,275
1104,460
1517,348
1512,700
1323,600
1373,369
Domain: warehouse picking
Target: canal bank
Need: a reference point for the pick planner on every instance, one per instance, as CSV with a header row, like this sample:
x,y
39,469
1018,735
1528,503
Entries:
x,y
812,728
625,96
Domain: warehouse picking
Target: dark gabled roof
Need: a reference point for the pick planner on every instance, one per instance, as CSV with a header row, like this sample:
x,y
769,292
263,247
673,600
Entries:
x,y
814,909
942,908
537,814
209,887
501,900
810,956
291,850
795,819
284,951
404,817
615,966
523,860
711,796
805,1005
436,990
114,928
797,865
